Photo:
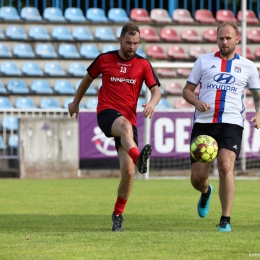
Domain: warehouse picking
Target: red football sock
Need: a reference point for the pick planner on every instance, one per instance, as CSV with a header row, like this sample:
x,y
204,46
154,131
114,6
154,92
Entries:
x,y
134,153
119,206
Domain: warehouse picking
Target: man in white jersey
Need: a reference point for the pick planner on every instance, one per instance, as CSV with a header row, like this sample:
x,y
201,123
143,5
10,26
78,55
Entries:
x,y
223,77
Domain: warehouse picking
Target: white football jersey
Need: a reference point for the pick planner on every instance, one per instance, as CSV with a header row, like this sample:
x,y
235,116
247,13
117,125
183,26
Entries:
x,y
222,86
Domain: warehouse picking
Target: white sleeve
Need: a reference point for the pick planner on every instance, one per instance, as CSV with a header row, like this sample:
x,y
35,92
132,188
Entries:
x,y
253,80
196,73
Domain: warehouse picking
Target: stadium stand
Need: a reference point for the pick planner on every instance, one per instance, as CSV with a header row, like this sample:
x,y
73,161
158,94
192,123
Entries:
x,y
249,54
182,16
5,102
15,32
160,15
182,103
63,86
41,86
9,13
49,102
30,14
74,14
13,141
165,72
96,15
31,68
190,35
204,16
2,143
253,35
249,103
5,51
109,47
45,50
61,33
2,88
117,15
53,14
82,33
89,51
10,68
1,34
104,33
176,52
149,34
10,123
92,102
68,51
24,102
69,100
38,33
173,88
210,35
53,69
257,54
250,17
23,50
17,86
225,16
140,102
118,31
77,69
196,50
156,52
163,104
140,15
169,34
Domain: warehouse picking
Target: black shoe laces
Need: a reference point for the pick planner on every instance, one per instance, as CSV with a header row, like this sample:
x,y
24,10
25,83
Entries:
x,y
222,224
118,220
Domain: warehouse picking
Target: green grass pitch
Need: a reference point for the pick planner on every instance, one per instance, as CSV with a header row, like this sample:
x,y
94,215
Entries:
x,y
71,219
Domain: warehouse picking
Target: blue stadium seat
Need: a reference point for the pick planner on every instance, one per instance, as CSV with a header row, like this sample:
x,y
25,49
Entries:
x,y
53,14
96,15
38,33
30,14
10,68
17,86
104,33
1,34
61,33
24,102
41,86
109,47
82,33
15,32
117,15
74,14
13,141
91,90
5,51
10,123
140,52
9,13
23,50
118,31
5,102
53,69
45,50
89,51
77,69
31,68
2,88
69,100
63,87
68,51
92,102
163,104
2,143
49,102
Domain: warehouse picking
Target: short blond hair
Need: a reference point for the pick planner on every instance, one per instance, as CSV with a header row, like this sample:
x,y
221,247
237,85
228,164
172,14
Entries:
x,y
232,24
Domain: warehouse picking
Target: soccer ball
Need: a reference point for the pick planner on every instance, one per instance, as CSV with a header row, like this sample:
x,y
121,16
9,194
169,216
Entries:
x,y
204,148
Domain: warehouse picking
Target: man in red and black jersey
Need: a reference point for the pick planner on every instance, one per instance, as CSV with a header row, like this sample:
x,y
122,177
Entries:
x,y
123,73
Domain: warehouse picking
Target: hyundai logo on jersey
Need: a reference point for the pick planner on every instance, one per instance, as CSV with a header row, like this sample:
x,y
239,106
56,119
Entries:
x,y
224,78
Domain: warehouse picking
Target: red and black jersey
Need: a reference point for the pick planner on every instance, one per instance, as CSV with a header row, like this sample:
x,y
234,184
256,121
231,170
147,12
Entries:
x,y
121,82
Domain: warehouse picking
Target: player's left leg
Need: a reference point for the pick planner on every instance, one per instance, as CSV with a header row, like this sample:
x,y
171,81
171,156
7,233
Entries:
x,y
199,180
226,161
127,168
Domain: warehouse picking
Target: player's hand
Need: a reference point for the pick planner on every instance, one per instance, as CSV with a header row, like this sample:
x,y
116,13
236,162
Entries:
x,y
256,120
202,107
148,110
73,109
